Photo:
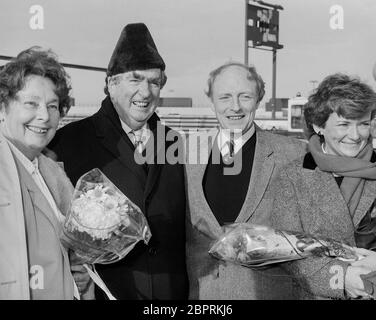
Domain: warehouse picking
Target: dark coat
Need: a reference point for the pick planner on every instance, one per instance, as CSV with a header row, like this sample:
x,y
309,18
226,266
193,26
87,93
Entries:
x,y
156,271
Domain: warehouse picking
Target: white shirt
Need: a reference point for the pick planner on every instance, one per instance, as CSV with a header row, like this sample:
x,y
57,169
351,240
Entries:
x,y
239,139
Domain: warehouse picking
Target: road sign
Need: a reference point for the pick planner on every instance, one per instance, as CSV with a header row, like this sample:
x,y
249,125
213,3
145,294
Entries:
x,y
263,26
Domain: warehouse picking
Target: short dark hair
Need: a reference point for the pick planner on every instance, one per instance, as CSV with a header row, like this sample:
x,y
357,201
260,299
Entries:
x,y
35,61
345,95
252,75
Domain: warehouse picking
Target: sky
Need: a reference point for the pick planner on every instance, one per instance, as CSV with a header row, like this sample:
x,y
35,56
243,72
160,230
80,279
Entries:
x,y
194,37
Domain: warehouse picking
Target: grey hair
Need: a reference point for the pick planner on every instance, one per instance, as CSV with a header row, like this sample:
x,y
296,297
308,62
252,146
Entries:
x,y
105,89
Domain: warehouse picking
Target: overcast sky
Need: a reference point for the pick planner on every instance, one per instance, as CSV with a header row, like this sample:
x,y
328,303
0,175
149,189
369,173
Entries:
x,y
195,36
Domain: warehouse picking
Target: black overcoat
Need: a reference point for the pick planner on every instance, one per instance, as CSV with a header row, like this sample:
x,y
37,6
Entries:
x,y
155,271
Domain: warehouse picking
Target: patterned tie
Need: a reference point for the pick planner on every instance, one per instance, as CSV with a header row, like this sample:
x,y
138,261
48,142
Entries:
x,y
229,147
138,140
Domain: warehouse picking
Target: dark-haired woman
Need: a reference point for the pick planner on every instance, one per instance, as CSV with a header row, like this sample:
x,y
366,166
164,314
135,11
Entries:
x,y
332,193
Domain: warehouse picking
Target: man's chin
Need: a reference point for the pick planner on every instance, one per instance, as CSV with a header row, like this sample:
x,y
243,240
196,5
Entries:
x,y
140,121
234,128
231,125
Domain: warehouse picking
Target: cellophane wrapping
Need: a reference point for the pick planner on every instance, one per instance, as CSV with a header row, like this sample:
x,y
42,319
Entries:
x,y
103,225
254,246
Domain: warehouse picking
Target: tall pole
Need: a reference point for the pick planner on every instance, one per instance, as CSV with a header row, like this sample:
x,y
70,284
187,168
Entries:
x,y
245,34
274,82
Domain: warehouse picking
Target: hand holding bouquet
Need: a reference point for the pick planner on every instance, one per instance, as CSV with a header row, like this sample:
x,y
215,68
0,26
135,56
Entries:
x,y
102,225
254,246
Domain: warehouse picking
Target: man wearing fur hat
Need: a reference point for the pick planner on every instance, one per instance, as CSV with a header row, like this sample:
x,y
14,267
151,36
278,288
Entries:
x,y
126,124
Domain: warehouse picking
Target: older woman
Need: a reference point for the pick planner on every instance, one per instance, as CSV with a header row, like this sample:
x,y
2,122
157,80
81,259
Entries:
x,y
332,193
34,191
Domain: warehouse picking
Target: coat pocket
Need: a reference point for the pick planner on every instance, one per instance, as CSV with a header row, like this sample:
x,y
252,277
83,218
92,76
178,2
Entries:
x,y
4,202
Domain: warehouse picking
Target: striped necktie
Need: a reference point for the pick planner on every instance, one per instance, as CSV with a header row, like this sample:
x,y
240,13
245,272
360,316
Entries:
x,y
229,147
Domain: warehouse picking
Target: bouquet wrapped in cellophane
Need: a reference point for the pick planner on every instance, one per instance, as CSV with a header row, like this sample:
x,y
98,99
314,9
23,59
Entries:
x,y
255,246
102,225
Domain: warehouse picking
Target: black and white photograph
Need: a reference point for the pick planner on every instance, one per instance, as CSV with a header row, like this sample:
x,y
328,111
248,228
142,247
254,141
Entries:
x,y
187,154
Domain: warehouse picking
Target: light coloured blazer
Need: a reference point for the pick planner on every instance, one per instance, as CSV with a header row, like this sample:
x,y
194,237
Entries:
x,y
14,201
310,201
213,279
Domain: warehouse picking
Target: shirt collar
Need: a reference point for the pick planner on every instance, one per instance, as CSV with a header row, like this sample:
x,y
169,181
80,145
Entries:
x,y
239,140
128,130
30,166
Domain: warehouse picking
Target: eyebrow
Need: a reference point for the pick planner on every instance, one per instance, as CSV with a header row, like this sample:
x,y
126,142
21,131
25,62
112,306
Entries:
x,y
38,98
141,77
240,93
136,75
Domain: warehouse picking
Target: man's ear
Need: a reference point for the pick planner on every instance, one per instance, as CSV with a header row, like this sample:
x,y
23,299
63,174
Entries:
x,y
211,103
110,85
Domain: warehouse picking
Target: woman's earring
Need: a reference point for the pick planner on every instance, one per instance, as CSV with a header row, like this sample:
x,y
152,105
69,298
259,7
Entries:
x,y
321,136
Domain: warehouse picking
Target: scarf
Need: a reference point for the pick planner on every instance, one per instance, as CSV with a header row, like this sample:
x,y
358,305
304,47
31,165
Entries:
x,y
354,170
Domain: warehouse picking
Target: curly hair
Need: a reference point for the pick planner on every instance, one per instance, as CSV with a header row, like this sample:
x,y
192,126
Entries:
x,y
35,61
345,95
252,75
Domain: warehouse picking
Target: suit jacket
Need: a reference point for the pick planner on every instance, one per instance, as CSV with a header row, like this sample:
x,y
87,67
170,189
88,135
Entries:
x,y
212,279
156,271
16,198
310,201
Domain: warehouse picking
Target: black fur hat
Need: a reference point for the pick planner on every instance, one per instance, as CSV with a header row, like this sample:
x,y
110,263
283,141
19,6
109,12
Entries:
x,y
135,50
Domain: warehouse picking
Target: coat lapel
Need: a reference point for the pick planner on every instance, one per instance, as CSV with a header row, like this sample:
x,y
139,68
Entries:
x,y
332,214
263,166
368,197
158,156
202,216
37,198
58,183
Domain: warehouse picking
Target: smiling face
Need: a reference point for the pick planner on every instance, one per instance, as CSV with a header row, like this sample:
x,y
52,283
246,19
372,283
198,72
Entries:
x,y
135,95
234,99
345,137
32,117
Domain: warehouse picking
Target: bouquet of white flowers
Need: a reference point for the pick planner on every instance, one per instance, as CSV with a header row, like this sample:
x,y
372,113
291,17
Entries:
x,y
102,225
255,246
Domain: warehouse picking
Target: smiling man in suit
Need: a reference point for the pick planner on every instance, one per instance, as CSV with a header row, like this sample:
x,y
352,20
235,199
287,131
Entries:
x,y
113,140
217,197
